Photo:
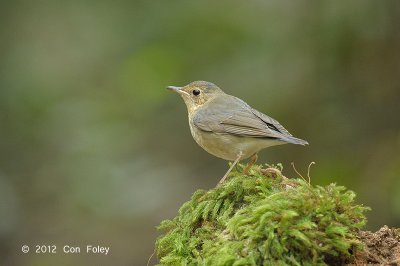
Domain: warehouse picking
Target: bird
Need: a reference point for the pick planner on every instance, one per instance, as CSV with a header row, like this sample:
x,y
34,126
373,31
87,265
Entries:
x,y
227,127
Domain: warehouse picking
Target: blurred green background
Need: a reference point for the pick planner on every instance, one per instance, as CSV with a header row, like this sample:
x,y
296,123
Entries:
x,y
94,150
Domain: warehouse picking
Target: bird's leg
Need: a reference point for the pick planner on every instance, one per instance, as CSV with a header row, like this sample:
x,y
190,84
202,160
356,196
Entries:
x,y
253,160
230,169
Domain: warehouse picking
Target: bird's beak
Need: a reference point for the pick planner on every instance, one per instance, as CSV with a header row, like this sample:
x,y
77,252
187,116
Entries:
x,y
174,88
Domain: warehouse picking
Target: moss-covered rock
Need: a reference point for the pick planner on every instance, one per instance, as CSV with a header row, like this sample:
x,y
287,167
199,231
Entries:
x,y
263,220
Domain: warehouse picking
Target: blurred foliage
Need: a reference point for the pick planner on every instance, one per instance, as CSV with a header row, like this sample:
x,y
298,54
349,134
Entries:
x,y
95,150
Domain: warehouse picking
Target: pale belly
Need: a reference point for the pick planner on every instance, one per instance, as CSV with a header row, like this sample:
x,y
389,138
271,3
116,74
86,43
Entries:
x,y
228,147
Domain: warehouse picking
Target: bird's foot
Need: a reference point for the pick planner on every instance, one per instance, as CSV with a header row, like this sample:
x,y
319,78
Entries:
x,y
253,160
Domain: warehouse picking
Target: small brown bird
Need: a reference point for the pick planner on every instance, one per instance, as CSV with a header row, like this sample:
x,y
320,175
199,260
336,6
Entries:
x,y
227,127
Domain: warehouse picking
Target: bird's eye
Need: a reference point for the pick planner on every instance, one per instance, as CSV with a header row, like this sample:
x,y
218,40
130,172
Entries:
x,y
196,92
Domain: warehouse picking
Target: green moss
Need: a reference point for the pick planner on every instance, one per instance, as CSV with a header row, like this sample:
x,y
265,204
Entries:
x,y
263,220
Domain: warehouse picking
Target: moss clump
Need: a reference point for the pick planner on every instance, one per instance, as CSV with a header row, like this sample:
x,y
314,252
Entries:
x,y
263,220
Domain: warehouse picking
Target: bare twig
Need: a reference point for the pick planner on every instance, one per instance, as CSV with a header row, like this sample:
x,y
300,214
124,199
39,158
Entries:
x,y
308,172
297,172
148,262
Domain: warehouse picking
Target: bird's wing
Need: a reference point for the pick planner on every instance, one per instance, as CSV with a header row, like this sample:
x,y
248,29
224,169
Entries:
x,y
270,121
237,118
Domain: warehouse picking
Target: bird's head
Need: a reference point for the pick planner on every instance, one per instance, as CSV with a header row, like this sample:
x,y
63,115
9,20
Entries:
x,y
197,93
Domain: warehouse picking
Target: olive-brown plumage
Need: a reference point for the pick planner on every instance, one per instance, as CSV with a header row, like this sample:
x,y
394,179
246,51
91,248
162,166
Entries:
x,y
226,126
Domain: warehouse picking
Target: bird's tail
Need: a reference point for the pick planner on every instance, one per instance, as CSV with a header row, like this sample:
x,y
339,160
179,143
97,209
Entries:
x,y
294,140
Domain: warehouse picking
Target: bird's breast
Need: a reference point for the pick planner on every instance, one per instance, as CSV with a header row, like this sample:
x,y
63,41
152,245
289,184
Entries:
x,y
227,146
